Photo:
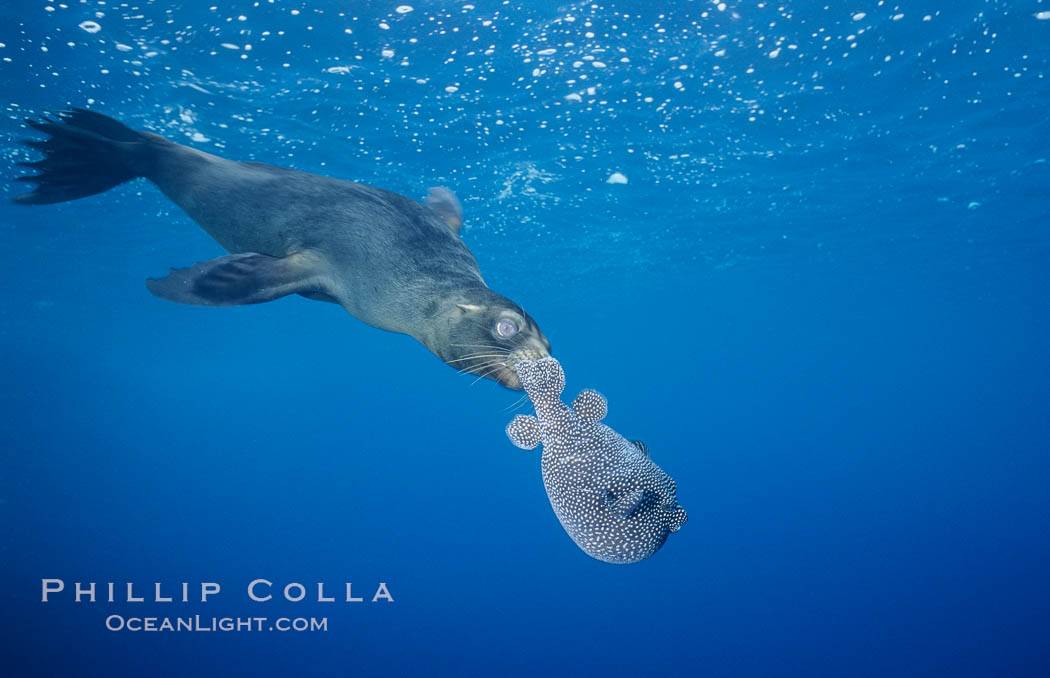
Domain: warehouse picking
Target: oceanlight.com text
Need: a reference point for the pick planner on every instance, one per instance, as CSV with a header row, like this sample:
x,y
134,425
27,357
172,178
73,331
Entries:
x,y
116,622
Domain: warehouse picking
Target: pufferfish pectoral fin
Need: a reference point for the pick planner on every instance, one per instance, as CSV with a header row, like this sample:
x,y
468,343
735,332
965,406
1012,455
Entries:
x,y
524,431
237,279
591,406
625,504
446,204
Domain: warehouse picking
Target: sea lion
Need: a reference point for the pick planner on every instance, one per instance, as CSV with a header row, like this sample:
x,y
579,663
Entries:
x,y
390,261
613,501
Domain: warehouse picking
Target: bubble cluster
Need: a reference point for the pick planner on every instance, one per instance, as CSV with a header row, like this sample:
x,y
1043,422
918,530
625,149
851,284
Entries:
x,y
742,126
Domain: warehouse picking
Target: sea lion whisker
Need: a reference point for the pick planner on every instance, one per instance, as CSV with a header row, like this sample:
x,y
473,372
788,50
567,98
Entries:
x,y
489,347
482,365
474,357
472,369
478,357
517,403
487,373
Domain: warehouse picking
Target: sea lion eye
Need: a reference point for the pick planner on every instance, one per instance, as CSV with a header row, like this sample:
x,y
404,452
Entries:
x,y
506,328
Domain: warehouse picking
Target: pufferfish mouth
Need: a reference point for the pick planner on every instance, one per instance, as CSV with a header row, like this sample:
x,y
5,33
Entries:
x,y
501,368
507,375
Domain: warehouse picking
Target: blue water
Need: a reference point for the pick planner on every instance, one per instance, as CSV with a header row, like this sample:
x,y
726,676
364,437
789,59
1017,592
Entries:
x,y
820,299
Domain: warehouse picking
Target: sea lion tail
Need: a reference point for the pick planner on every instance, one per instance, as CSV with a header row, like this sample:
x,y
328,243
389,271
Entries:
x,y
84,153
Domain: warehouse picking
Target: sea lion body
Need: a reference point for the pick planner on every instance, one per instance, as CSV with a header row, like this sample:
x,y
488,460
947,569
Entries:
x,y
390,261
376,247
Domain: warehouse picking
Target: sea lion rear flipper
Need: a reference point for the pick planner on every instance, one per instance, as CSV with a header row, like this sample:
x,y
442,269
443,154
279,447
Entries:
x,y
236,279
446,204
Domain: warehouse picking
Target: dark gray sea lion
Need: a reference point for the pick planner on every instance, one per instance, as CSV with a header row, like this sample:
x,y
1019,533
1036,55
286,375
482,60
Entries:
x,y
390,261
615,503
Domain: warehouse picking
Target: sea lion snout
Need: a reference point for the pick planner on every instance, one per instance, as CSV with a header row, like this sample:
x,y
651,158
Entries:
x,y
487,335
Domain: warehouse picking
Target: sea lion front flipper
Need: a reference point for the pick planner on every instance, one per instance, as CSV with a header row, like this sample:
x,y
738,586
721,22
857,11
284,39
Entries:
x,y
446,204
237,279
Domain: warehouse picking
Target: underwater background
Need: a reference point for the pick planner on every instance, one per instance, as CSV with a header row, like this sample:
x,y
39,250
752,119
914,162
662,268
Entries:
x,y
802,247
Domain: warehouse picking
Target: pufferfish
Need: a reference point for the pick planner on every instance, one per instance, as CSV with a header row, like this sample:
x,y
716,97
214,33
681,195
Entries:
x,y
615,503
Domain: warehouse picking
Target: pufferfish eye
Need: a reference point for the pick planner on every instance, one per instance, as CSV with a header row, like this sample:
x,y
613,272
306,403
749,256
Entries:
x,y
506,328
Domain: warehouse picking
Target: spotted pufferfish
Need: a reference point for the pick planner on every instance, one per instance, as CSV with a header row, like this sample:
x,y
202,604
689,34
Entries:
x,y
615,503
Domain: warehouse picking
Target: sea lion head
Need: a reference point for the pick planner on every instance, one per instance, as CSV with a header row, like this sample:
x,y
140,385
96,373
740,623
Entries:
x,y
488,335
